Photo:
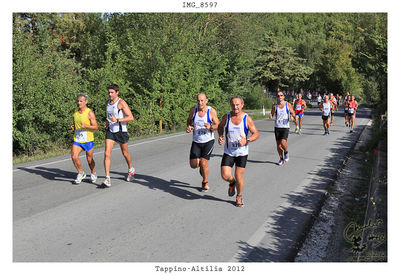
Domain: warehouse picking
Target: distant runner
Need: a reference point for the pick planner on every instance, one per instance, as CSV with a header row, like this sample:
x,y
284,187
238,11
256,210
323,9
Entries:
x,y
299,107
353,105
118,114
84,125
334,105
233,130
282,111
203,121
326,107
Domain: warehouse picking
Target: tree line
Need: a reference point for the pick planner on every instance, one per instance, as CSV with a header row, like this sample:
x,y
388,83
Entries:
x,y
161,61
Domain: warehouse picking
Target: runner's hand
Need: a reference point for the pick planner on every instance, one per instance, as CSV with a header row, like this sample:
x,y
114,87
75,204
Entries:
x,y
112,118
73,127
207,125
242,141
189,128
221,140
84,125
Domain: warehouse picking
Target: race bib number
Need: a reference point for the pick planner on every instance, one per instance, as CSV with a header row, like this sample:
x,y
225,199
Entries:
x,y
298,107
351,110
81,135
235,144
202,132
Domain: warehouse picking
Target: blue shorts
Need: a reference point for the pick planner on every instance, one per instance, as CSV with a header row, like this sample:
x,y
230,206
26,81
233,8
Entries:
x,y
299,115
87,146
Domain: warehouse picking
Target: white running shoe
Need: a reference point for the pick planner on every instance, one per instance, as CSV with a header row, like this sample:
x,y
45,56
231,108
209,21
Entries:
x,y
80,177
281,162
286,157
131,174
93,178
107,182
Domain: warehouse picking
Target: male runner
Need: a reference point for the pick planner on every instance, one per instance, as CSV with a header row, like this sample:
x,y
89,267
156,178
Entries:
x,y
326,107
281,111
118,114
233,129
353,105
334,105
203,121
319,99
84,125
299,107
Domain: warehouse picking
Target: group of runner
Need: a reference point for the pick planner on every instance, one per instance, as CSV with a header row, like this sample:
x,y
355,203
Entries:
x,y
233,131
118,114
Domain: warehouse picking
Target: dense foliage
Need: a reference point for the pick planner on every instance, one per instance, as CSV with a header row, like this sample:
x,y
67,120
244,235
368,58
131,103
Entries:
x,y
162,61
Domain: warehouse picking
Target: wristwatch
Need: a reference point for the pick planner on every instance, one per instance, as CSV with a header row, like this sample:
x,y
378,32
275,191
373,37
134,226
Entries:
x,y
248,140
117,120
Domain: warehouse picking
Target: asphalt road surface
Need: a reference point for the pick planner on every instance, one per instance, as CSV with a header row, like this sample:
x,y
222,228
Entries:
x,y
162,217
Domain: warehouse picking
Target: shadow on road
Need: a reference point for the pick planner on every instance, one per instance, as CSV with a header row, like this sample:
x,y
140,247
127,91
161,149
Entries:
x,y
53,174
177,188
290,222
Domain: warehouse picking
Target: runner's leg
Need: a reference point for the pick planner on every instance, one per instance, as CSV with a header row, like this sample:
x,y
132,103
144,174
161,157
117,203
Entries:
x,y
125,153
75,150
239,176
107,155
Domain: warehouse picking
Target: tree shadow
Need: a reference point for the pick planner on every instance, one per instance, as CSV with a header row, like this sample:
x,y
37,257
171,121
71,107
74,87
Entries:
x,y
289,224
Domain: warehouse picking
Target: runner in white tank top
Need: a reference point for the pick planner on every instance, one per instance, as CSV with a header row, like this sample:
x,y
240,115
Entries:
x,y
233,131
118,114
283,111
203,121
325,108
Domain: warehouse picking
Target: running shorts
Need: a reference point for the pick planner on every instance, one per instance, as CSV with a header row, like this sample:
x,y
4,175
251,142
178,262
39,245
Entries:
x,y
120,137
351,114
281,133
325,117
228,160
202,150
299,115
87,146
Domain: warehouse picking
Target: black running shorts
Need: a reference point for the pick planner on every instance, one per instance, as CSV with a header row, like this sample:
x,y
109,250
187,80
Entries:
x,y
239,161
281,133
325,117
202,150
120,137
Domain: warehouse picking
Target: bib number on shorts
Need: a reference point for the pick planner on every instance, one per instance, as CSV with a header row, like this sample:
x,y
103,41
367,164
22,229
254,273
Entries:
x,y
81,135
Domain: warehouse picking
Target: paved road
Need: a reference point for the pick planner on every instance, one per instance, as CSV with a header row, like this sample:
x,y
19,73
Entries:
x,y
162,216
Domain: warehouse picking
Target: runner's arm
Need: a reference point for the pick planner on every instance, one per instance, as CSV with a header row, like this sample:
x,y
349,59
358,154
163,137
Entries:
x,y
127,112
221,127
189,122
271,115
214,119
93,123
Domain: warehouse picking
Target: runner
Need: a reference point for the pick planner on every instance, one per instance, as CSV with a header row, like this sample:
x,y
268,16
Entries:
x,y
353,105
118,114
233,130
202,120
281,110
319,99
334,105
299,106
326,107
84,125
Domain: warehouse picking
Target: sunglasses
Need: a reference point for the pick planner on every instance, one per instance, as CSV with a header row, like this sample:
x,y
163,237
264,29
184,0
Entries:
x,y
279,95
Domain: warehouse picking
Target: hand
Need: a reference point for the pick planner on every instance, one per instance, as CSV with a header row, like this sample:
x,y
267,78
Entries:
x,y
73,127
242,141
106,125
221,140
270,116
292,118
189,128
112,118
207,125
84,125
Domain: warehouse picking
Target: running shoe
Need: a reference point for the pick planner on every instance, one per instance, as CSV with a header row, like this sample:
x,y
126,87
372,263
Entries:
x,y
80,177
239,201
107,182
281,162
328,132
351,130
299,132
286,156
204,187
231,189
93,178
325,133
131,174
